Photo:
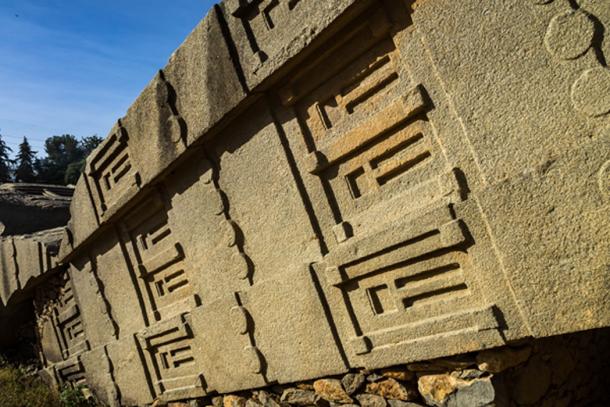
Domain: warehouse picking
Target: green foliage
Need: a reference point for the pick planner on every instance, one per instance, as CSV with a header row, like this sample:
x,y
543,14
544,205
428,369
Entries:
x,y
24,172
74,397
5,162
20,387
63,163
65,158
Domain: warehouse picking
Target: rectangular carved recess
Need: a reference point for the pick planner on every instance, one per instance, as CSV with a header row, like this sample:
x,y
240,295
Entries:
x,y
70,371
365,124
263,21
68,323
171,359
158,260
111,172
409,283
398,271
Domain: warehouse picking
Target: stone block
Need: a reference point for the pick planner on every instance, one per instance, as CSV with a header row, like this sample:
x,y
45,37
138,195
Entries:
x,y
292,328
550,226
269,33
198,220
115,275
224,340
205,78
134,384
264,205
83,217
94,306
171,359
99,376
10,273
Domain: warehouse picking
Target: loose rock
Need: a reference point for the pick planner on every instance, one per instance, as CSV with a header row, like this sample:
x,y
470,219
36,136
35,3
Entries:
x,y
374,377
478,393
234,401
400,403
331,390
352,382
498,360
436,388
266,399
398,373
371,400
299,397
391,389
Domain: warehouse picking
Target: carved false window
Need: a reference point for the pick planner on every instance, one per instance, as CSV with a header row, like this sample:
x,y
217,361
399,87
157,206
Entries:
x,y
111,172
157,260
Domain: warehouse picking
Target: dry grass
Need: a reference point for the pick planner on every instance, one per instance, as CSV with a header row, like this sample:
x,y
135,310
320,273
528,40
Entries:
x,y
19,389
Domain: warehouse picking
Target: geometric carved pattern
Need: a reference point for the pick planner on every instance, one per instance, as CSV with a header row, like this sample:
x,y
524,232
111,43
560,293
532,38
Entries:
x,y
260,17
158,260
374,153
408,283
68,323
70,371
356,153
111,171
171,358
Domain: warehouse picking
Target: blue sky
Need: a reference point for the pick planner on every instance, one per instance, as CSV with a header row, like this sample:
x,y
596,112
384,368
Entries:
x,y
75,66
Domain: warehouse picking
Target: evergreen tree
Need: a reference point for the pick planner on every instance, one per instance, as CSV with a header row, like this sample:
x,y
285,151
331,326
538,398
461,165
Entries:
x,y
25,163
5,162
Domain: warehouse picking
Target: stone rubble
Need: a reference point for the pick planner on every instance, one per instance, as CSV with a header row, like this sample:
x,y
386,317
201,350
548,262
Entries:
x,y
539,373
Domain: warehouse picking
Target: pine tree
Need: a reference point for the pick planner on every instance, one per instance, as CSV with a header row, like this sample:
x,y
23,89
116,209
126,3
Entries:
x,y
25,163
5,162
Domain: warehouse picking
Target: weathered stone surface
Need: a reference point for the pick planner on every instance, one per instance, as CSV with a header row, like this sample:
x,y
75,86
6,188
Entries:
x,y
30,208
352,382
391,389
331,390
268,34
498,360
371,400
234,401
398,373
266,399
299,397
436,388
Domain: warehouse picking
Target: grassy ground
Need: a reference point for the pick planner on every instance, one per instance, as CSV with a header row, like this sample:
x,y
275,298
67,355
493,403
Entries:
x,y
21,389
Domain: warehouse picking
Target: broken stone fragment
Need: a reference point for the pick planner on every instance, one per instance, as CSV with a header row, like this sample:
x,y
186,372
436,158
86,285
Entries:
x,y
400,403
477,393
234,401
498,360
436,388
331,390
253,403
391,389
299,397
371,400
266,399
398,373
352,382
